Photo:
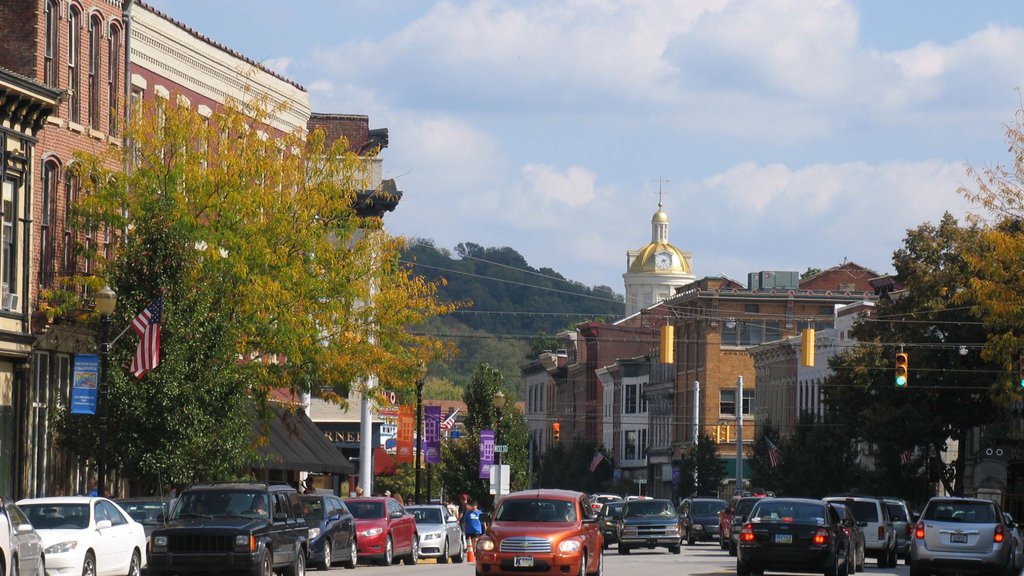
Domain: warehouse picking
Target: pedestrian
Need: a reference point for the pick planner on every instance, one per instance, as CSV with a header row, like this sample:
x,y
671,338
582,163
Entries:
x,y
463,505
401,501
359,491
472,523
92,489
453,509
387,493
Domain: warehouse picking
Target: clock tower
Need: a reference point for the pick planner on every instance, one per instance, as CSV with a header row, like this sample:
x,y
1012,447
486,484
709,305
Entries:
x,y
656,270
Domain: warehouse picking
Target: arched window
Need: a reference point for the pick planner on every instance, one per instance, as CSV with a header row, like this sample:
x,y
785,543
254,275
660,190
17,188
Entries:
x,y
95,69
47,239
114,82
73,189
74,50
50,14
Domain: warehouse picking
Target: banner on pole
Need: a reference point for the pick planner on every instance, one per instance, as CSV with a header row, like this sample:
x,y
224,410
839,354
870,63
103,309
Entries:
x,y
432,434
406,426
486,453
86,381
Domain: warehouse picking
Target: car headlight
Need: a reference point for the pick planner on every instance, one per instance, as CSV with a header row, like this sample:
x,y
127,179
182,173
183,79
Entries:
x,y
432,536
698,526
371,532
159,542
485,544
569,546
313,533
62,547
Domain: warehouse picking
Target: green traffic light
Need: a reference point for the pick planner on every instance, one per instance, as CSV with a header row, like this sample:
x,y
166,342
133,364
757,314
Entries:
x,y
901,381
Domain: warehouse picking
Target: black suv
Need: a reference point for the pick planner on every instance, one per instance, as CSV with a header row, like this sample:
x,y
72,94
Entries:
x,y
232,527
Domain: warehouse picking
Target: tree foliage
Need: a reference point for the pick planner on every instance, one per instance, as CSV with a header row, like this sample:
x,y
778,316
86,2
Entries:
x,y
269,277
700,471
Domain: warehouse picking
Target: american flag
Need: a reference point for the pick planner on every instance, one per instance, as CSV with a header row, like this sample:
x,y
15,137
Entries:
x,y
447,423
147,325
905,457
774,456
596,461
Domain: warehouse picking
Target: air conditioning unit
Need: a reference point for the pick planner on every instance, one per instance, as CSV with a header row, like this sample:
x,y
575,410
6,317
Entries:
x,y
11,301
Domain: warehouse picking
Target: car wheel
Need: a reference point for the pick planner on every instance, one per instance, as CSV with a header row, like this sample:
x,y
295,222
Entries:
x,y
915,571
732,548
41,567
353,555
600,564
298,567
266,566
389,553
461,556
135,568
844,570
893,558
443,558
89,565
414,554
583,565
675,549
833,569
861,561
623,549
325,564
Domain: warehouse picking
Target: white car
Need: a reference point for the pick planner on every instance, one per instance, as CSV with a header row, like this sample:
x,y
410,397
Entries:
x,y
87,535
20,540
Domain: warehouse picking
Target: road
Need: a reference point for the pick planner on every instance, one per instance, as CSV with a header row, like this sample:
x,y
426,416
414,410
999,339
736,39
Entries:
x,y
697,560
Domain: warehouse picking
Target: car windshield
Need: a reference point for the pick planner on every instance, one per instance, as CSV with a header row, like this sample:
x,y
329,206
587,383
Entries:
x,y
743,507
365,510
613,510
707,508
536,511
312,507
57,516
648,508
144,511
221,503
896,512
426,515
964,512
782,511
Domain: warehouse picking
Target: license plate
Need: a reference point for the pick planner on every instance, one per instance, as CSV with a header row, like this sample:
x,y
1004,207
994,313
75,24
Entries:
x,y
783,538
523,561
958,538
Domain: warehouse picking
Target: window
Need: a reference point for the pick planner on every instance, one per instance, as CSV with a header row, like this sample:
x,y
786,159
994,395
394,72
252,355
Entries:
x,y
633,399
113,81
73,187
727,402
634,444
8,251
95,69
52,45
74,49
47,240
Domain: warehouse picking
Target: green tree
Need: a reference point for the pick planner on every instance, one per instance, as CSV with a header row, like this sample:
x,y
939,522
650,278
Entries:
x,y
568,466
269,279
700,471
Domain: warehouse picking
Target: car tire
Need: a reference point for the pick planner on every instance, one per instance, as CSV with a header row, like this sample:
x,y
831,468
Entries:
x,y
583,565
461,556
675,549
916,571
41,567
325,564
89,565
265,566
414,554
353,555
623,549
732,548
135,567
689,538
443,558
389,553
298,566
833,569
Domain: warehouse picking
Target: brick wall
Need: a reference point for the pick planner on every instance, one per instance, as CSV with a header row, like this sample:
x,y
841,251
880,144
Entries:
x,y
18,42
352,126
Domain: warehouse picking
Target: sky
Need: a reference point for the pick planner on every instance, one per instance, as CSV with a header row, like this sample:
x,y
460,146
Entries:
x,y
783,134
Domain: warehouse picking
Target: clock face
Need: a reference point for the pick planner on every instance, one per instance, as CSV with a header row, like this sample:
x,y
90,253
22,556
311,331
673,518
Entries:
x,y
663,260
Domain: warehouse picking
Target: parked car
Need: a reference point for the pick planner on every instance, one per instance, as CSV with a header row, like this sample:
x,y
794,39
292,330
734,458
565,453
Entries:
x,y
1018,543
879,534
855,533
793,535
700,518
150,512
21,542
597,501
384,530
609,520
902,525
961,535
551,531
87,535
441,535
737,515
650,523
217,527
332,531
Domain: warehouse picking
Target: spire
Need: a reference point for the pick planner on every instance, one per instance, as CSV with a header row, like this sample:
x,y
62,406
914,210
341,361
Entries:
x,y
659,222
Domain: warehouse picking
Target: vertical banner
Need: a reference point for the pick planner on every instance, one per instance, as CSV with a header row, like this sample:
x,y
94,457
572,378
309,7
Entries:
x,y
486,453
86,380
406,427
432,434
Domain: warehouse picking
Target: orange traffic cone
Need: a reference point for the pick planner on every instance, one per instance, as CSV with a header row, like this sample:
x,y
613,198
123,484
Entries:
x,y
470,556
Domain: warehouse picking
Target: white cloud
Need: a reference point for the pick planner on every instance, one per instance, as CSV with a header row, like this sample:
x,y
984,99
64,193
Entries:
x,y
279,65
572,188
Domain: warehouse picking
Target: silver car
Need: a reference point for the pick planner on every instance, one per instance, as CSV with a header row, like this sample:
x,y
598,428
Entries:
x,y
441,536
958,535
902,524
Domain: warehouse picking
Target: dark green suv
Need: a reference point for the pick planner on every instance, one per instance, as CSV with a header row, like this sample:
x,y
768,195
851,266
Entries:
x,y
232,528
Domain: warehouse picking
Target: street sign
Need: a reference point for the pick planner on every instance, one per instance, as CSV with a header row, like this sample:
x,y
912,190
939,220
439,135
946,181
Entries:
x,y
640,480
499,479
455,434
501,448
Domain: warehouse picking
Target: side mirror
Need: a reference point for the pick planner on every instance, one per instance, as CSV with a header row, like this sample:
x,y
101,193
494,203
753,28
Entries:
x,y
397,514
103,524
23,528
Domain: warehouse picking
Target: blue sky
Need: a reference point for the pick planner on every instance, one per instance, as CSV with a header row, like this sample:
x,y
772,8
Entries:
x,y
792,133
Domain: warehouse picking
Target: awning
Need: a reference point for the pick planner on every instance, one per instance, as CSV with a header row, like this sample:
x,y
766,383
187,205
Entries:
x,y
383,463
295,443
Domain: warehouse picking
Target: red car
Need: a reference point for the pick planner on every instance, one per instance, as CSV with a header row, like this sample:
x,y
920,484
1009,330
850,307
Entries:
x,y
384,530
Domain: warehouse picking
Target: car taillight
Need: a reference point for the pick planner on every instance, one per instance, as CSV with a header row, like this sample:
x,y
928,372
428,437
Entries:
x,y
919,530
998,536
881,531
747,534
821,537
910,529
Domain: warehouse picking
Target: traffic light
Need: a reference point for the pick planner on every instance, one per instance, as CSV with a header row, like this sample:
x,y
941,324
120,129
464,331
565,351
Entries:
x,y
807,347
556,431
902,369
1020,372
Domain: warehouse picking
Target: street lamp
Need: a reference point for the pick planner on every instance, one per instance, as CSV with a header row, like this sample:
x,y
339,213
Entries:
x,y
419,424
498,401
106,301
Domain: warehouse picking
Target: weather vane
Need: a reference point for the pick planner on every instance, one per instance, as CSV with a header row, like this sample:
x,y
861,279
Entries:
x,y
661,181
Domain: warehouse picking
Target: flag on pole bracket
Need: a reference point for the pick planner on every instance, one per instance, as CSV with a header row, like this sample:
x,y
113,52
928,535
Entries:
x,y
449,422
774,455
147,326
596,460
905,457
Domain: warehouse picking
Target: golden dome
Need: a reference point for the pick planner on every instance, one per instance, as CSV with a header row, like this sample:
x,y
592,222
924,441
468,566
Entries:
x,y
659,216
660,258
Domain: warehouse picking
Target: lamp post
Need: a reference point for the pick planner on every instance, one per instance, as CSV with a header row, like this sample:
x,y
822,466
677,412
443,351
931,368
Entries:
x,y
419,425
498,401
106,301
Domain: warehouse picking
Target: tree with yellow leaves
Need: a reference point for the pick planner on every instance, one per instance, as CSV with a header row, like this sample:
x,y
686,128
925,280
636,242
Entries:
x,y
271,281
